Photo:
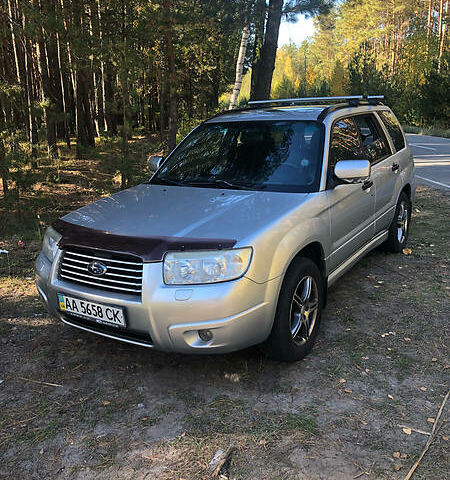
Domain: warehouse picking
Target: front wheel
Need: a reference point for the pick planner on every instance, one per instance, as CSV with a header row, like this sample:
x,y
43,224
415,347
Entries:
x,y
297,317
399,228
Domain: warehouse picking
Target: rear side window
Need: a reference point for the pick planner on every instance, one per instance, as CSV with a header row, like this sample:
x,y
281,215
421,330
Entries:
x,y
374,143
345,142
393,128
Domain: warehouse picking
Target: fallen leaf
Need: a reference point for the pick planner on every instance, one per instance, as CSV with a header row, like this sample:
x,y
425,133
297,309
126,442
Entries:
x,y
424,389
430,420
342,380
407,431
406,251
445,438
347,390
106,402
404,455
396,454
397,467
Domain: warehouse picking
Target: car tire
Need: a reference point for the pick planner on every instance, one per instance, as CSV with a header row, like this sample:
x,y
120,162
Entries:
x,y
399,228
298,312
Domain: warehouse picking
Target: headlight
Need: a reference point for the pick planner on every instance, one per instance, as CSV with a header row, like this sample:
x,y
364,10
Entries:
x,y
181,268
50,243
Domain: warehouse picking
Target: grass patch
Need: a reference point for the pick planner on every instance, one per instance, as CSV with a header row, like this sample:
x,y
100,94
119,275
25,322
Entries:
x,y
5,328
433,131
226,416
37,435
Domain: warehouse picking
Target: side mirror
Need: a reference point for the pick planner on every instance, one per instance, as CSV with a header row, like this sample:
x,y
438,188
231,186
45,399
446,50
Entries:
x,y
352,171
154,162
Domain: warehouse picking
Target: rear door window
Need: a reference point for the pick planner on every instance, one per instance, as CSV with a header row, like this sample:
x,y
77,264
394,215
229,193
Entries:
x,y
374,143
393,128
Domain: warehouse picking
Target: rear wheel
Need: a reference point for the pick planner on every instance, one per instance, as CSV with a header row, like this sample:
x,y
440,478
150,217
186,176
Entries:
x,y
297,317
399,228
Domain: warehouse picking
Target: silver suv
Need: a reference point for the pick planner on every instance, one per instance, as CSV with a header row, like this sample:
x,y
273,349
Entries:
x,y
236,237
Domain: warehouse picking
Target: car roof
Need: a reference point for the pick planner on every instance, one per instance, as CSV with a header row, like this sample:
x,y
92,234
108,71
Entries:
x,y
304,112
307,109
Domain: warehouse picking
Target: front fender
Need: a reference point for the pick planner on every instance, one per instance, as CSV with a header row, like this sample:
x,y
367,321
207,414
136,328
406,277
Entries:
x,y
275,248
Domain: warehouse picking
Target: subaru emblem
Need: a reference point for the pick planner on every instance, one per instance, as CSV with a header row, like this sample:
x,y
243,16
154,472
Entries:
x,y
97,268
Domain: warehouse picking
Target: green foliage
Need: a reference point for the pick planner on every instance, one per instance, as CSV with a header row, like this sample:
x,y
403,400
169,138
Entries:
x,y
373,47
434,95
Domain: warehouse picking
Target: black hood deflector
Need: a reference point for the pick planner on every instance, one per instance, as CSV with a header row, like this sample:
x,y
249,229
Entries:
x,y
148,249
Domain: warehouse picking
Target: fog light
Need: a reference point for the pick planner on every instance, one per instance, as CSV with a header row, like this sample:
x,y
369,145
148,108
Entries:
x,y
205,335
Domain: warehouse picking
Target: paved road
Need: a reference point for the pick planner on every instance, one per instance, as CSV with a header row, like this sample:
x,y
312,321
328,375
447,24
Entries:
x,y
432,160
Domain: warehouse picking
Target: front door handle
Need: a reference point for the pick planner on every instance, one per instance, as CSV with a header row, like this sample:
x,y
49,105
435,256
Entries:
x,y
367,184
395,167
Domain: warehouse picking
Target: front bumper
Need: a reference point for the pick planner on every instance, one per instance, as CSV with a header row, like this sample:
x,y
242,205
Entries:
x,y
239,313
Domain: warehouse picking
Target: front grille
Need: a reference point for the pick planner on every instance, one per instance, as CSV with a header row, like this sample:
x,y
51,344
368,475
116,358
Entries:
x,y
123,273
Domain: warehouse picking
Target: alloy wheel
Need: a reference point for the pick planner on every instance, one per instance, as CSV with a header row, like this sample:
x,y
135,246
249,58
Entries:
x,y
402,222
304,310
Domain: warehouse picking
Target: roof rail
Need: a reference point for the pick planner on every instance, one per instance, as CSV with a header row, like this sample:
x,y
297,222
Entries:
x,y
367,100
294,101
346,101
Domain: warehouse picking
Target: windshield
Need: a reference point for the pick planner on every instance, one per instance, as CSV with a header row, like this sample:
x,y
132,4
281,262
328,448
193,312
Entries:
x,y
278,156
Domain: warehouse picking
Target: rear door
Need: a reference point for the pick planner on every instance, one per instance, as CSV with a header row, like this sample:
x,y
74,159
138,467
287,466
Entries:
x,y
377,150
399,163
352,206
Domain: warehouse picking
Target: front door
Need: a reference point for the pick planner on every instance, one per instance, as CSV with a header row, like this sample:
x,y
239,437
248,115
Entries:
x,y
352,206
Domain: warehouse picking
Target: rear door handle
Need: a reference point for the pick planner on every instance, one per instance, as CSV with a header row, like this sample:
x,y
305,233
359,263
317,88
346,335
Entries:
x,y
367,184
395,167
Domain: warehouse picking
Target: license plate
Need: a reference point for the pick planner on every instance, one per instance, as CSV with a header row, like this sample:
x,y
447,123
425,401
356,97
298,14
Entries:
x,y
105,314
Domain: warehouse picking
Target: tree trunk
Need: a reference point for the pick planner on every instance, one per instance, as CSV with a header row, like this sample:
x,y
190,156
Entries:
x,y
240,67
110,117
85,127
13,41
260,14
266,64
126,127
443,36
102,105
440,19
4,171
50,109
32,126
430,8
172,77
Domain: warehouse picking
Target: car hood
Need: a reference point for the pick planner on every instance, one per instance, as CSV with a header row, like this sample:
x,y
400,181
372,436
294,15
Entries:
x,y
171,211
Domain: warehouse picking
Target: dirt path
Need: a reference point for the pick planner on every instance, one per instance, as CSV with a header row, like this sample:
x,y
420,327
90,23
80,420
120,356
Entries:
x,y
118,411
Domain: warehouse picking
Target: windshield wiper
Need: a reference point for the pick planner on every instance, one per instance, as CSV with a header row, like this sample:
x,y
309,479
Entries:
x,y
165,181
218,183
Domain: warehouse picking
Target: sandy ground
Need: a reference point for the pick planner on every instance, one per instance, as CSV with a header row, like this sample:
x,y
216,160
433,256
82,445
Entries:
x,y
111,410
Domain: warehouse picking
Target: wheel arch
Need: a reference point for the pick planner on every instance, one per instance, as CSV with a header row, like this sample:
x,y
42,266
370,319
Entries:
x,y
407,189
315,252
